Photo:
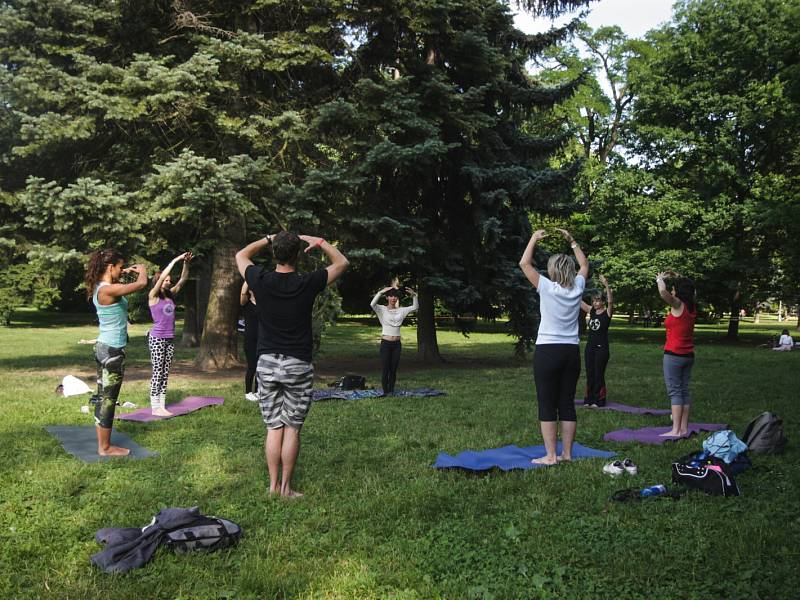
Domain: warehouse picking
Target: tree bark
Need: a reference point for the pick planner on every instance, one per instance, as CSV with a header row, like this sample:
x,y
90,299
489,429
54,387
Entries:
x,y
427,344
218,344
733,324
191,325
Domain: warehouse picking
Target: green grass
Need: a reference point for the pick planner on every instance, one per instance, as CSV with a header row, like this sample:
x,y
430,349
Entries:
x,y
377,521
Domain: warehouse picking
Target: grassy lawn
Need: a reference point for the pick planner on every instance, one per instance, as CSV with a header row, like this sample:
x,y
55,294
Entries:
x,y
377,521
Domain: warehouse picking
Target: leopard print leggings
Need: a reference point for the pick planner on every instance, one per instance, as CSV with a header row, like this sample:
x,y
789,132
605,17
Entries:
x,y
162,350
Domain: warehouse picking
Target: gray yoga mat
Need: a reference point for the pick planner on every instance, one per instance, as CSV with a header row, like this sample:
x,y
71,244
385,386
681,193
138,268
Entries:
x,y
81,442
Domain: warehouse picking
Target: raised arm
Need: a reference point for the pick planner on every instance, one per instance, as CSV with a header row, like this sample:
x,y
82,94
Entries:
x,y
339,262
414,302
187,256
107,293
376,298
244,257
583,263
526,262
609,296
154,291
666,296
585,307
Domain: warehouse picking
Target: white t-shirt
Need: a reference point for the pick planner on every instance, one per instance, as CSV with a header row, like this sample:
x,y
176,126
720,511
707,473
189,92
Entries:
x,y
786,340
559,308
392,319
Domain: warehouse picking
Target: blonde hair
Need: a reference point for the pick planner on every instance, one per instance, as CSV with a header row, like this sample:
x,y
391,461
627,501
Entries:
x,y
561,270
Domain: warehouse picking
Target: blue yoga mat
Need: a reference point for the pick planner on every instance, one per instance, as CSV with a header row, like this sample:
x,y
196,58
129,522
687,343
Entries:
x,y
509,457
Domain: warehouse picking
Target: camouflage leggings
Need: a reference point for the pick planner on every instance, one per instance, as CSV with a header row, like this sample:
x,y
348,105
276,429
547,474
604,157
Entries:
x,y
110,371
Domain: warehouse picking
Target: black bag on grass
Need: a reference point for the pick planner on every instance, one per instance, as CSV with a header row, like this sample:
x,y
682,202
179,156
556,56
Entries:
x,y
712,478
350,382
764,434
204,534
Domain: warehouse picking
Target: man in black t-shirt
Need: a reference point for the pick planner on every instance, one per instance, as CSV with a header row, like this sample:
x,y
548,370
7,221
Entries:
x,y
284,301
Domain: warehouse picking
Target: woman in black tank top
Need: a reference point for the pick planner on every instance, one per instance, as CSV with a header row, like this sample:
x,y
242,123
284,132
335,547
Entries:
x,y
596,354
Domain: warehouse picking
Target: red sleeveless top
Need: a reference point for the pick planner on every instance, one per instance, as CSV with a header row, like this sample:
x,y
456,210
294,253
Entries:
x,y
680,331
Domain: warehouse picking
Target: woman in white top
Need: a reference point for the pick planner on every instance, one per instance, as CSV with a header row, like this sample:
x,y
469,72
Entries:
x,y
786,343
557,359
391,317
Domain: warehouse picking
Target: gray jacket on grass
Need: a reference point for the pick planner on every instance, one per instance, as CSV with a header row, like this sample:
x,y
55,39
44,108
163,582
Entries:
x,y
132,547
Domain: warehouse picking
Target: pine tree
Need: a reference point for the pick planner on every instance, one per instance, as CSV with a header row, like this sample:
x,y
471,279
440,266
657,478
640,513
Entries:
x,y
118,97
430,167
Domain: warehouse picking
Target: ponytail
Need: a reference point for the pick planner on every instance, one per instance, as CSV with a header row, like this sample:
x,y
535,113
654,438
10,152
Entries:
x,y
97,265
685,292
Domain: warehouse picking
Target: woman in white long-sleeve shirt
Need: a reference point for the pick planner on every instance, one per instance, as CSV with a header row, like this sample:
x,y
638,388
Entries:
x,y
391,317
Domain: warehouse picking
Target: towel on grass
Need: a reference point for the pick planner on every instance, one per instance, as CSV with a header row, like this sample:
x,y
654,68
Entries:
x,y
509,457
360,394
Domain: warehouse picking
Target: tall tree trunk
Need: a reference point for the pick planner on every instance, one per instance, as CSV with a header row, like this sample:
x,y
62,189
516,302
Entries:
x,y
733,324
191,325
427,344
218,345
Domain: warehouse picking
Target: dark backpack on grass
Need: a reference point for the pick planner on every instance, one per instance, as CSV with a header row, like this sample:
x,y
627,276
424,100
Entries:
x,y
350,382
764,434
204,534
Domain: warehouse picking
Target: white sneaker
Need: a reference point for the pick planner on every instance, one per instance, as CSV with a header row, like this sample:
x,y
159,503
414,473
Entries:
x,y
615,469
630,467
251,396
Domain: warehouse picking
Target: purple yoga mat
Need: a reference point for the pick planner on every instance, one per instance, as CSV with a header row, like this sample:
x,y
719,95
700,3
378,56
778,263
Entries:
x,y
652,435
627,408
185,406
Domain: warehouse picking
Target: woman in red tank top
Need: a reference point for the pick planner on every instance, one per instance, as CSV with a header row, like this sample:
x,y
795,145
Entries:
x,y
679,349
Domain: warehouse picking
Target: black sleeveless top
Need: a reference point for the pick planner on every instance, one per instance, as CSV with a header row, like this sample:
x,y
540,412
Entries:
x,y
598,329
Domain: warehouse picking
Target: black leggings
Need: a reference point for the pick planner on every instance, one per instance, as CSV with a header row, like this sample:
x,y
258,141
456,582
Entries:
x,y
596,359
390,359
251,353
556,368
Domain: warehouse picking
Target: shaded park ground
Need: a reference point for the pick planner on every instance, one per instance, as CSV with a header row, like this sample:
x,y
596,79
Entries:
x,y
378,521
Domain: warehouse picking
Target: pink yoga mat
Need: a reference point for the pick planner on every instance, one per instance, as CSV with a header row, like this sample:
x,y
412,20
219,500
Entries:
x,y
652,435
185,406
627,408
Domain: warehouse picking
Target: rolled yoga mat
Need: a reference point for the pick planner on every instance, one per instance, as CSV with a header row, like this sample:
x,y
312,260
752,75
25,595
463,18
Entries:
x,y
509,457
652,435
81,442
185,406
626,408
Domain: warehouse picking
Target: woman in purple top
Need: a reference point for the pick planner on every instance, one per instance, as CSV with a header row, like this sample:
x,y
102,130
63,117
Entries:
x,y
161,337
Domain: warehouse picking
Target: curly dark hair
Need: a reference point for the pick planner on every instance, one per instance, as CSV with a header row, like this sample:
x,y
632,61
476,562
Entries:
x,y
98,262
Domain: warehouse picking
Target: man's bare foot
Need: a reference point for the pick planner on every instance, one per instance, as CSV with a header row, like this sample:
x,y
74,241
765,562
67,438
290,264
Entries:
x,y
544,460
670,433
563,458
161,412
682,433
291,494
114,451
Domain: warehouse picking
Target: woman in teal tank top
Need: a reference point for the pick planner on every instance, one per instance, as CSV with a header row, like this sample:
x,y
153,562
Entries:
x,y
108,295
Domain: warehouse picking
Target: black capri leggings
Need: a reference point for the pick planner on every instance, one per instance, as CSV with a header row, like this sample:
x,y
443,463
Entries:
x,y
251,353
556,368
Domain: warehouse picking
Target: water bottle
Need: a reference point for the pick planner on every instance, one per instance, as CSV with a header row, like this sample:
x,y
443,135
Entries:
x,y
655,490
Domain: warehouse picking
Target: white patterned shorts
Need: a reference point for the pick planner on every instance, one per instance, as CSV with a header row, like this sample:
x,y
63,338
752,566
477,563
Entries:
x,y
285,385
